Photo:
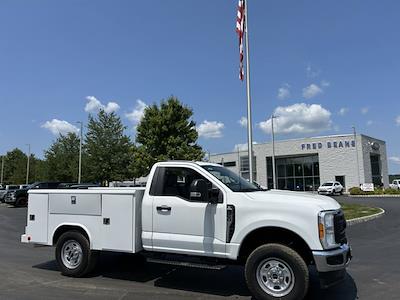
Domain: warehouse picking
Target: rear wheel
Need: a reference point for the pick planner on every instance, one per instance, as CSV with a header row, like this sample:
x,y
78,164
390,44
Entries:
x,y
276,271
73,254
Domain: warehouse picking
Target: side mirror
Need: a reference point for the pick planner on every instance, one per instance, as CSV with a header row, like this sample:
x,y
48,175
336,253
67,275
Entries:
x,y
199,190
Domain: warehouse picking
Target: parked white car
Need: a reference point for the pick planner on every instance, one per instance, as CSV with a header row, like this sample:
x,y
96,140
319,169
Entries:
x,y
331,188
395,184
197,214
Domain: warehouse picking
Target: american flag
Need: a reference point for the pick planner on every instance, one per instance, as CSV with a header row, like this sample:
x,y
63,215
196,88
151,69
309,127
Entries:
x,y
240,32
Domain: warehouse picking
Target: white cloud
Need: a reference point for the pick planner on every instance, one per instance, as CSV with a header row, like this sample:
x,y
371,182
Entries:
x,y
299,118
370,122
137,113
325,83
284,91
94,105
395,159
343,111
210,129
243,122
312,72
398,121
57,127
312,91
242,147
364,110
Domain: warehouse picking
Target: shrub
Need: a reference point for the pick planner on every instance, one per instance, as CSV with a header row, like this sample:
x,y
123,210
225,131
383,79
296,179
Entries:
x,y
356,191
377,191
392,191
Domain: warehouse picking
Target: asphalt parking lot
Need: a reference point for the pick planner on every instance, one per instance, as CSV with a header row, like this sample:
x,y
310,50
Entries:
x,y
31,273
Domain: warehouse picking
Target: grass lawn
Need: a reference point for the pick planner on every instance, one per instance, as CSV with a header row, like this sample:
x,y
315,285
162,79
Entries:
x,y
352,211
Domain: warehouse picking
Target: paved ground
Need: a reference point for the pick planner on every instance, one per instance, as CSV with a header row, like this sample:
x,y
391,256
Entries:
x,y
31,273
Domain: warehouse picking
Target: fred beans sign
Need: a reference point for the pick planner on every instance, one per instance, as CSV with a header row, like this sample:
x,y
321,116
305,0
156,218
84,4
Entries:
x,y
328,145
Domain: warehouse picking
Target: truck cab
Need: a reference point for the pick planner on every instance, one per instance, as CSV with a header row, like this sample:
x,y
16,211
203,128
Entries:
x,y
198,211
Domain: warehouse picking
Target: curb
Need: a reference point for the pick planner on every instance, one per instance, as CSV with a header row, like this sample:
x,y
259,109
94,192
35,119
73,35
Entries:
x,y
375,196
366,218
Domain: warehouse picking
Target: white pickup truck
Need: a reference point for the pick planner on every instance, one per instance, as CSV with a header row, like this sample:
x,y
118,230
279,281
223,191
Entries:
x,y
395,184
197,214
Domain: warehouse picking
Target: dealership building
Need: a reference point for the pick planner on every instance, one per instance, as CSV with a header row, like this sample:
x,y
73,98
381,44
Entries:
x,y
303,164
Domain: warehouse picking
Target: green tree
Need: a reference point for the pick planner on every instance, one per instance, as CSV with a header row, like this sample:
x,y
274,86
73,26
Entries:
x,y
38,170
15,167
166,132
62,158
108,148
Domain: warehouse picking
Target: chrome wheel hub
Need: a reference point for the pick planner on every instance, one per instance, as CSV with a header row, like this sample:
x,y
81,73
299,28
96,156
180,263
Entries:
x,y
275,277
71,254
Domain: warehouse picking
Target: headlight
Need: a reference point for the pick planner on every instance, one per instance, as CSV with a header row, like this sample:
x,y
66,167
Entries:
x,y
326,229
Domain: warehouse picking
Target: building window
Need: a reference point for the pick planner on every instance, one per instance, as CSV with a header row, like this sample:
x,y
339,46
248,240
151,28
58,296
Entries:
x,y
376,169
244,167
300,173
229,164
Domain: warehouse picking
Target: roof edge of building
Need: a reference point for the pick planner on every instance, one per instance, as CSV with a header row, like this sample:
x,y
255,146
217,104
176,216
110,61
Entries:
x,y
299,139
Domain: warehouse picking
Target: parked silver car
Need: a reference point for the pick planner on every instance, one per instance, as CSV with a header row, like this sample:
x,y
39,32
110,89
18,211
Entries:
x,y
7,188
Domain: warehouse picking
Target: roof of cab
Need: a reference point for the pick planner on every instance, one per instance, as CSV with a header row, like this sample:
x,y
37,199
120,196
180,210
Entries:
x,y
199,163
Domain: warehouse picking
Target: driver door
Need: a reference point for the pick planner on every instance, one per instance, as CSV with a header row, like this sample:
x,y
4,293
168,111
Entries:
x,y
182,224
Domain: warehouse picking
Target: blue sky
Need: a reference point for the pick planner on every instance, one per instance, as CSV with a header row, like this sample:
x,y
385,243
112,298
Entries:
x,y
321,65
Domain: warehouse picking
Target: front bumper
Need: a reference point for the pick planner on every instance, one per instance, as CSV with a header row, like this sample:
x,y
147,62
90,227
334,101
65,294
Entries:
x,y
332,260
331,265
9,199
325,192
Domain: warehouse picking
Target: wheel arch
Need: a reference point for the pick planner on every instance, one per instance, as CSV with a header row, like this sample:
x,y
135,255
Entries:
x,y
62,228
273,234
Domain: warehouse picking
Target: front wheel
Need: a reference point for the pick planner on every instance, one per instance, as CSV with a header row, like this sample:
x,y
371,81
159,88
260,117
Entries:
x,y
21,202
73,254
276,271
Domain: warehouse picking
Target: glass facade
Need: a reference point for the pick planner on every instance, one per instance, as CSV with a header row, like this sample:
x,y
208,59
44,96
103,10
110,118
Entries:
x,y
244,168
300,173
376,169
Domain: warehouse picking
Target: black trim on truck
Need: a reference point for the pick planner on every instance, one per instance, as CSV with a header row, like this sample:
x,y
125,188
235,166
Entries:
x,y
230,222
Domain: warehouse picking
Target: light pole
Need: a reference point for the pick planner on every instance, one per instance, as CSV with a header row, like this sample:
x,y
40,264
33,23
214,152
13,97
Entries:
x,y
80,153
2,170
358,164
273,152
27,164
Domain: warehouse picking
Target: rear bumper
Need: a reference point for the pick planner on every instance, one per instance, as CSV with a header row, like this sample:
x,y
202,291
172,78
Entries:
x,y
25,239
331,264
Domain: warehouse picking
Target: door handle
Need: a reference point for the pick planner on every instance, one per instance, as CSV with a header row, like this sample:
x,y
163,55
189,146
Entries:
x,y
163,208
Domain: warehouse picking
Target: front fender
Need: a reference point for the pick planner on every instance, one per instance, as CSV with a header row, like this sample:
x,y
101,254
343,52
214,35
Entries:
x,y
303,227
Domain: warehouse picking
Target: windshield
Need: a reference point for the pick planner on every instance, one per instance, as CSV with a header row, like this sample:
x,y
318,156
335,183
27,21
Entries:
x,y
31,186
328,184
231,179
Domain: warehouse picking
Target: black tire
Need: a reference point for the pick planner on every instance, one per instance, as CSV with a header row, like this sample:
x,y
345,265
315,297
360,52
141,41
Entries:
x,y
21,202
283,254
88,259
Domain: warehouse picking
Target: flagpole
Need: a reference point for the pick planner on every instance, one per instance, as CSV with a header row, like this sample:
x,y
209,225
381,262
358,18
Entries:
x,y
249,119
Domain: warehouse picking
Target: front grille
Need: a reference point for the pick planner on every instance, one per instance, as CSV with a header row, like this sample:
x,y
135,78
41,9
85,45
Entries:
x,y
340,228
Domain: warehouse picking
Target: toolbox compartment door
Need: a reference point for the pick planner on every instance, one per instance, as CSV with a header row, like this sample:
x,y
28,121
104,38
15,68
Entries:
x,y
118,222
37,219
75,204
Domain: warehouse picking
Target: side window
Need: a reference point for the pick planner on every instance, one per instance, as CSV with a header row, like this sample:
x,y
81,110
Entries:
x,y
177,182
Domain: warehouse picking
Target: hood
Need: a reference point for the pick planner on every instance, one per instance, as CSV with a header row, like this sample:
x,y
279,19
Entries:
x,y
309,199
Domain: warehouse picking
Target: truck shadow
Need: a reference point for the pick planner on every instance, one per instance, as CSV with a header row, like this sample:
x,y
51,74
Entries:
x,y
227,282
